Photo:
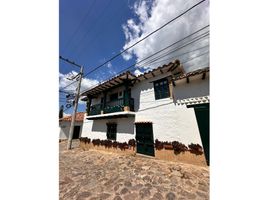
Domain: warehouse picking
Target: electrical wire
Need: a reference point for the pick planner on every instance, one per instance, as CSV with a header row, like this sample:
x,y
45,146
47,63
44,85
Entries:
x,y
180,47
81,22
132,66
145,37
154,53
118,54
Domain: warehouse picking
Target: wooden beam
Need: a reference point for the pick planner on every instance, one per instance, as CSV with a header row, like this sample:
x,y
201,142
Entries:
x,y
170,68
145,76
161,71
173,67
153,74
98,90
106,86
116,81
188,80
112,84
204,76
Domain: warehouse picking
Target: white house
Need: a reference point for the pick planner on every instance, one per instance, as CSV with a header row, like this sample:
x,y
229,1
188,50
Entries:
x,y
166,104
65,124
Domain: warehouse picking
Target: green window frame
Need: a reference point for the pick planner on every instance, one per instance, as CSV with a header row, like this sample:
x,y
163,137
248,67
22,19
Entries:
x,y
111,131
161,89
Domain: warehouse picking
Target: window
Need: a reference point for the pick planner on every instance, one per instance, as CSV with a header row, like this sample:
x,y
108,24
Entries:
x,y
161,89
111,131
114,97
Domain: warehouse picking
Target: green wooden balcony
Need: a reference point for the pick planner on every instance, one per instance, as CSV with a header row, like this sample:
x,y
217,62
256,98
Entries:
x,y
112,106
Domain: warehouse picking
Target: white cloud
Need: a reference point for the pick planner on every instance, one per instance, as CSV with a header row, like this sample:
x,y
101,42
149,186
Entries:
x,y
66,114
151,15
110,68
85,84
137,72
109,65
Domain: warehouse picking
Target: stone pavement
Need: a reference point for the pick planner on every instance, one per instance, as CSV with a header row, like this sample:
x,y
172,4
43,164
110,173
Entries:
x,y
102,175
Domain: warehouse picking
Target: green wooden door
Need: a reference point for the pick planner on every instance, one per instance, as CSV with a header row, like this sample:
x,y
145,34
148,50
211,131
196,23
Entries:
x,y
145,138
202,117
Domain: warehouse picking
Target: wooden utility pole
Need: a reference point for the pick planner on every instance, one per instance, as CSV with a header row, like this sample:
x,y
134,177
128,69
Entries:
x,y
76,99
69,145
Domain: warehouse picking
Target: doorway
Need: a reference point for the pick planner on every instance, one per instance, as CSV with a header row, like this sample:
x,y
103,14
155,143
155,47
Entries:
x,y
76,134
202,118
145,138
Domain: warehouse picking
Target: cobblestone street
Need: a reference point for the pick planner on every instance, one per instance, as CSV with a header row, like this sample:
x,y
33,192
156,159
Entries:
x,y
102,175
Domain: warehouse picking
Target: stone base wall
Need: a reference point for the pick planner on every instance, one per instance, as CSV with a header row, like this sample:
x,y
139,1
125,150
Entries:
x,y
186,157
169,155
87,146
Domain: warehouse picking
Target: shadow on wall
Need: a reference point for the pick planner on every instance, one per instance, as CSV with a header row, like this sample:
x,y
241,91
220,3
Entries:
x,y
99,126
124,125
193,89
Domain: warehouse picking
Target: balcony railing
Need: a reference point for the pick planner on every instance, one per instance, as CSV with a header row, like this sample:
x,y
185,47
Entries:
x,y
112,106
95,110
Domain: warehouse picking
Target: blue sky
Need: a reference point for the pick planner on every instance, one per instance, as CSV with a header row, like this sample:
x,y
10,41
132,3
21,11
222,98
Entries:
x,y
92,31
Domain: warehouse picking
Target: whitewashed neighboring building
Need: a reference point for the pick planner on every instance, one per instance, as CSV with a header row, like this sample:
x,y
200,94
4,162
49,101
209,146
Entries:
x,y
165,104
65,124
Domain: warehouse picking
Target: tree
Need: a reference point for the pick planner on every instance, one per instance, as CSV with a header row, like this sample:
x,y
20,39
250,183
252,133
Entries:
x,y
61,111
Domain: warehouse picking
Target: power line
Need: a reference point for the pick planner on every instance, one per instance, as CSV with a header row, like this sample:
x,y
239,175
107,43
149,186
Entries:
x,y
145,37
159,52
90,28
154,53
71,62
182,62
65,92
196,57
95,37
133,66
173,50
165,47
78,27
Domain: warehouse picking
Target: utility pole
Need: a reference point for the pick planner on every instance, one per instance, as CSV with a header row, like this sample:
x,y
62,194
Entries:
x,y
69,145
76,99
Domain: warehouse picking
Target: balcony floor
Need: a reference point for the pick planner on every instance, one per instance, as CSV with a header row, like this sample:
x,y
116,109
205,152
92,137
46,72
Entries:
x,y
112,115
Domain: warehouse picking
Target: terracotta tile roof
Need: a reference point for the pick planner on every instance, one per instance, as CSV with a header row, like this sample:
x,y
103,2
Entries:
x,y
118,79
79,117
194,73
163,69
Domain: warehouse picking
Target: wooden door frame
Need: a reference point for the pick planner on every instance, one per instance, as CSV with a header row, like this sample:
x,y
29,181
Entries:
x,y
152,137
198,108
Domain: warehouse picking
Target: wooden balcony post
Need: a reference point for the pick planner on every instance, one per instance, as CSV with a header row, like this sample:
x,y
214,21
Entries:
x,y
126,95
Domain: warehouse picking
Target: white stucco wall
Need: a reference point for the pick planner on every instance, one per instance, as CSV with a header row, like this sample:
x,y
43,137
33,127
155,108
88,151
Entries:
x,y
96,129
171,121
195,88
65,128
